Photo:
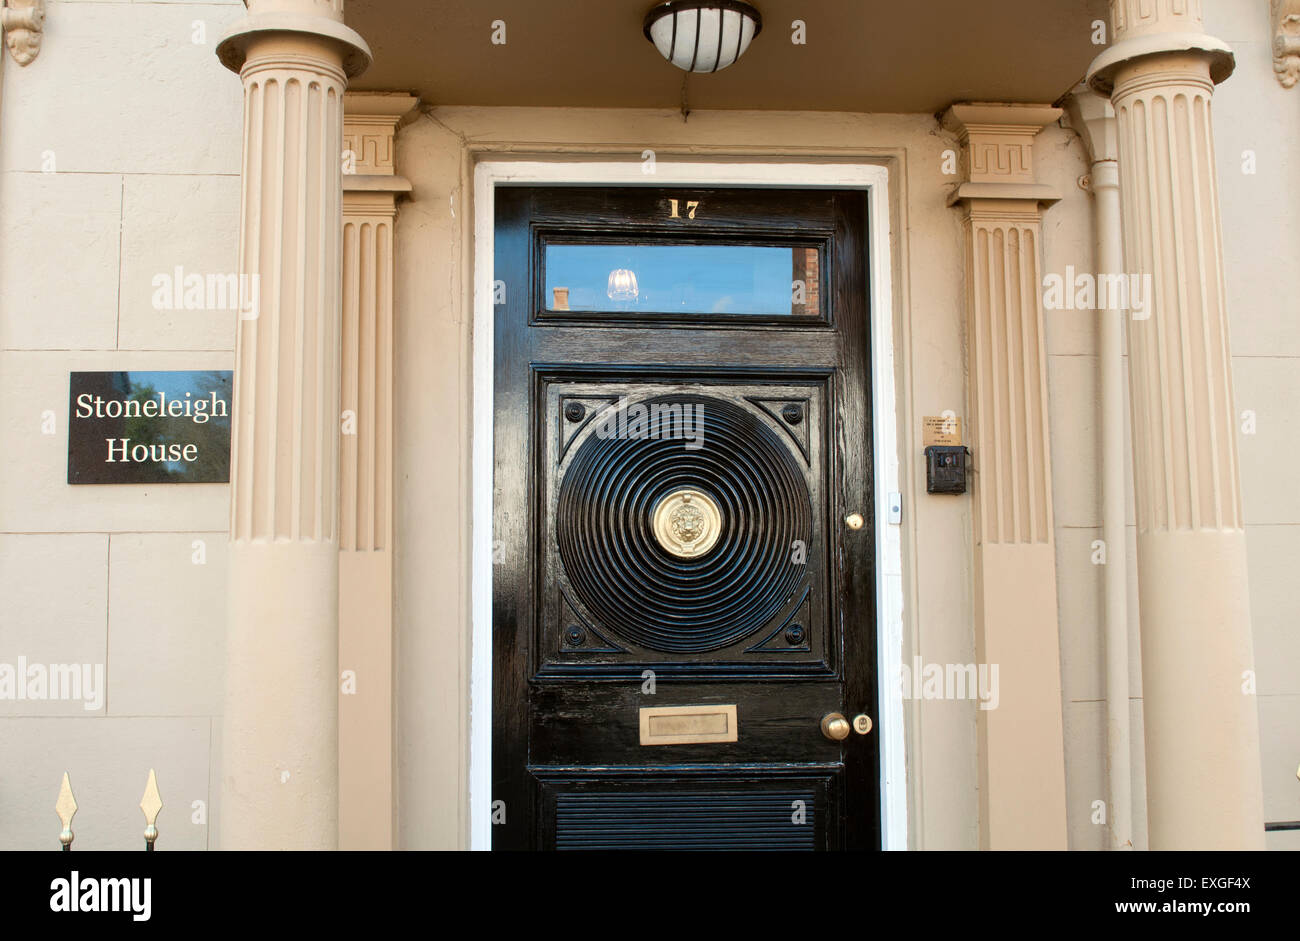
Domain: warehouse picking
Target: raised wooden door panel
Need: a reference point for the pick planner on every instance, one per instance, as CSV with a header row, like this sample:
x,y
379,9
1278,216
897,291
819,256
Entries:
x,y
613,599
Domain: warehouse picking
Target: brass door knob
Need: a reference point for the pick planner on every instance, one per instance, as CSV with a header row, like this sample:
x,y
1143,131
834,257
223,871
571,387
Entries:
x,y
835,727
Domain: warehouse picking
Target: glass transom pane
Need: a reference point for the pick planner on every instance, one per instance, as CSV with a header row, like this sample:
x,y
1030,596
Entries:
x,y
738,280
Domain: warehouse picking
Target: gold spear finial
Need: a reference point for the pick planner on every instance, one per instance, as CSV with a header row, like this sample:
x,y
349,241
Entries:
x,y
150,803
65,807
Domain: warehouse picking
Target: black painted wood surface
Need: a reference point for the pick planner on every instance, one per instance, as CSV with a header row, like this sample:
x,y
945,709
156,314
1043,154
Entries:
x,y
583,595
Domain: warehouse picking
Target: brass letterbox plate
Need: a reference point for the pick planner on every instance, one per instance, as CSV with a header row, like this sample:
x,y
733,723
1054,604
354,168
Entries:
x,y
686,725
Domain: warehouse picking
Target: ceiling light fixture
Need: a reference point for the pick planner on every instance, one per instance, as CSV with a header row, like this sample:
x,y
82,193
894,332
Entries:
x,y
702,35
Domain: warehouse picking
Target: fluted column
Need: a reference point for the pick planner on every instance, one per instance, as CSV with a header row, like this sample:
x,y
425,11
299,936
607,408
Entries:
x,y
371,191
279,769
1202,735
1021,742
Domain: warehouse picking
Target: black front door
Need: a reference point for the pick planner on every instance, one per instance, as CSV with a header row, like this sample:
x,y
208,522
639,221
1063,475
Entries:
x,y
683,585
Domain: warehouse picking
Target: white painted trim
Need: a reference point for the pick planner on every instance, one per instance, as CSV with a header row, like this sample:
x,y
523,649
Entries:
x,y
490,173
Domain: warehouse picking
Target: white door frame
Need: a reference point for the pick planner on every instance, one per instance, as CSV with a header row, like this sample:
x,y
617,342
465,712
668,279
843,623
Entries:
x,y
490,173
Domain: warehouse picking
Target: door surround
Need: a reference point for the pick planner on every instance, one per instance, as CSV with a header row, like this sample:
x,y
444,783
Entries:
x,y
490,173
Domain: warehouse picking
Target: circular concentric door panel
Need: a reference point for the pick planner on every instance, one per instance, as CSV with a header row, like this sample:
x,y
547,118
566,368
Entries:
x,y
683,545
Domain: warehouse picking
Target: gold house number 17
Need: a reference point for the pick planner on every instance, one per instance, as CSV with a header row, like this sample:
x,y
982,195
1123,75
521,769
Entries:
x,y
691,206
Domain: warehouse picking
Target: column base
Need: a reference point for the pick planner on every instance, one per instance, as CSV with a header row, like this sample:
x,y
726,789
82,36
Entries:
x,y
1204,789
279,766
1022,742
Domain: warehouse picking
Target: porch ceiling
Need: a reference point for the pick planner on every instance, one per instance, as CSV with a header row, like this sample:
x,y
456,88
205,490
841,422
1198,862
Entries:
x,y
861,55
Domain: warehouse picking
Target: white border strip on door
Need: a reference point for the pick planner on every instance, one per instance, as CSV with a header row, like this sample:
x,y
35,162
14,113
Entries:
x,y
490,173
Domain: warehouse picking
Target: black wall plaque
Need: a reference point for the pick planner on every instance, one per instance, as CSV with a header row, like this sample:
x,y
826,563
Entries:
x,y
149,427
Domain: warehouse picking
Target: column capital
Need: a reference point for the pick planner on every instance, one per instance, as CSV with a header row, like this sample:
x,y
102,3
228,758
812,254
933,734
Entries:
x,y
999,160
1145,28
317,19
370,124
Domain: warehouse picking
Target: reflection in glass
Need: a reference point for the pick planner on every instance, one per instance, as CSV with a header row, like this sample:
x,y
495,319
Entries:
x,y
747,280
622,285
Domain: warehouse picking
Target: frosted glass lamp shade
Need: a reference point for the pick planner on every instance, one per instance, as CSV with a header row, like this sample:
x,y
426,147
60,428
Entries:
x,y
702,35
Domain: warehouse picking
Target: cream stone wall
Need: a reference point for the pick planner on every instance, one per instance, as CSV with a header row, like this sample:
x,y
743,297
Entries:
x,y
119,160
143,125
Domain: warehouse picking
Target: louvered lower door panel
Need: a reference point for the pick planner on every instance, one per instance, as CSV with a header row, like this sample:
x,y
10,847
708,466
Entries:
x,y
648,821
690,812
